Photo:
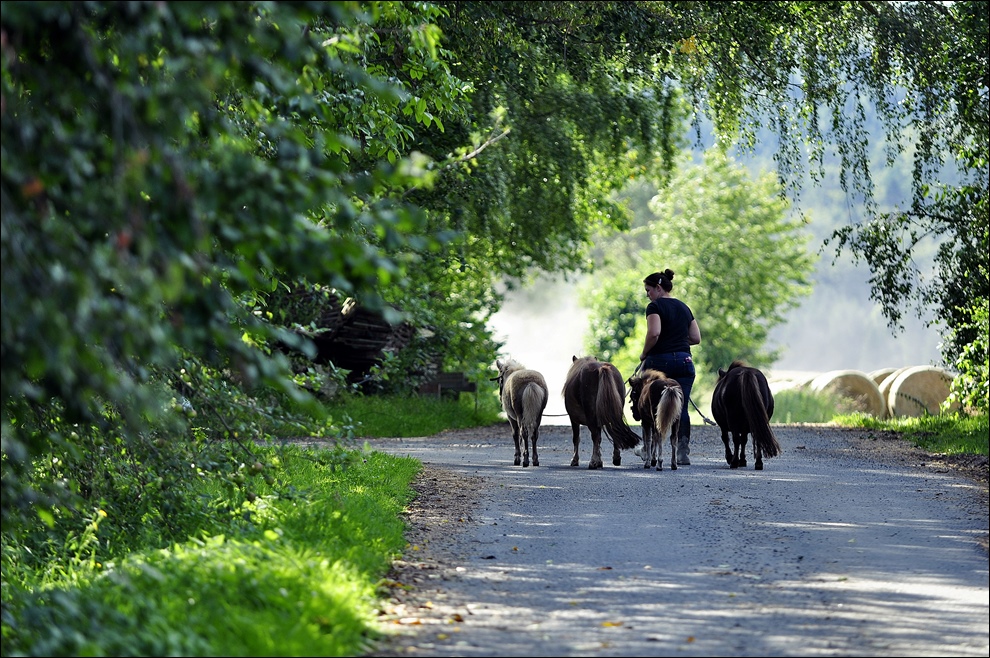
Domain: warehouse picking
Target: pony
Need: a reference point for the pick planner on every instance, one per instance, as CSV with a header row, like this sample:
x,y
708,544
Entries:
x,y
743,404
524,396
656,402
593,396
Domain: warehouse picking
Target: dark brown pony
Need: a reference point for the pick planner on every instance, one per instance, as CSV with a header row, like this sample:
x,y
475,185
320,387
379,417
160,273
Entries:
x,y
524,396
743,404
656,402
593,396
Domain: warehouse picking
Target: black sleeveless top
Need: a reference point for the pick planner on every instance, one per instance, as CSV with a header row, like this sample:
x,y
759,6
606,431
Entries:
x,y
675,321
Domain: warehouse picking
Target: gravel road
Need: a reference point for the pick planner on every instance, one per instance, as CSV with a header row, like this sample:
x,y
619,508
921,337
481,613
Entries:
x,y
847,544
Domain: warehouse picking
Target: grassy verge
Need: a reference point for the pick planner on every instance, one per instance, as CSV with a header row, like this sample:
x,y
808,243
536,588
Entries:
x,y
294,573
417,415
944,434
285,559
948,434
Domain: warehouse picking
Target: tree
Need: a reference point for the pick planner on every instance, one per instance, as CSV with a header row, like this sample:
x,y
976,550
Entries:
x,y
158,177
805,71
739,263
809,70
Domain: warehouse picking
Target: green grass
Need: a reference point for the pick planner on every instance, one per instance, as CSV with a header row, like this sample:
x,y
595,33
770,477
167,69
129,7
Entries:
x,y
944,434
803,406
294,570
295,574
415,415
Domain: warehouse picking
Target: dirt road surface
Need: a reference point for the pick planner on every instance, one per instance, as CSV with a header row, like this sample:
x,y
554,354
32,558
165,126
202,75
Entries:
x,y
849,543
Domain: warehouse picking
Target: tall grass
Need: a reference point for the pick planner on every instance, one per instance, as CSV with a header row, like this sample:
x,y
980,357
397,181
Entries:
x,y
798,405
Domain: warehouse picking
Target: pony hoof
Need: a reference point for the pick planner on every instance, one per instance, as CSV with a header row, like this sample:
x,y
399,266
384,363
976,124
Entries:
x,y
516,462
574,462
592,467
673,466
525,464
758,467
536,462
660,466
616,462
646,465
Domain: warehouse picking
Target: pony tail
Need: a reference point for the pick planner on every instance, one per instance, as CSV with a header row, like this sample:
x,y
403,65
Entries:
x,y
669,409
609,408
534,399
756,415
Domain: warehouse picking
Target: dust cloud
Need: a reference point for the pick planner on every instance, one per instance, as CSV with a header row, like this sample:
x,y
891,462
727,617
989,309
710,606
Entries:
x,y
543,326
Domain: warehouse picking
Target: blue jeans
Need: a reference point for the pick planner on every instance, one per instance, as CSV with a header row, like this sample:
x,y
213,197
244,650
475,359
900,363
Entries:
x,y
679,367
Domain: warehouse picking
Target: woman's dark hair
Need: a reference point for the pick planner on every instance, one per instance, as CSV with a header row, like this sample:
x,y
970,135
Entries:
x,y
663,279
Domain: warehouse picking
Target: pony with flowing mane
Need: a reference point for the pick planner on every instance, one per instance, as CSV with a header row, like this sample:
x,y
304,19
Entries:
x,y
593,396
524,396
656,402
742,404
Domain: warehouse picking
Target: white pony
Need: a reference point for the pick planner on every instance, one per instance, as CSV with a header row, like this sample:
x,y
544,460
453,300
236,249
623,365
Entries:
x,y
524,396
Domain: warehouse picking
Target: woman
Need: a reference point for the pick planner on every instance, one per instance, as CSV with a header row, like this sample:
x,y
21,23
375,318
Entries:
x,y
671,330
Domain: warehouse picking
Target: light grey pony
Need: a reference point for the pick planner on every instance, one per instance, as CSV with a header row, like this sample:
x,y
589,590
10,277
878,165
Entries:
x,y
524,396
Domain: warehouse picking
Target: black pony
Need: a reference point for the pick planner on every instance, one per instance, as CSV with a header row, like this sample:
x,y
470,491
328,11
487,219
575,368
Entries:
x,y
743,404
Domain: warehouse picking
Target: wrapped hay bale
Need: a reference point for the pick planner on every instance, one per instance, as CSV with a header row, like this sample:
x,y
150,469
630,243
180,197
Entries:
x,y
918,390
885,386
880,375
855,388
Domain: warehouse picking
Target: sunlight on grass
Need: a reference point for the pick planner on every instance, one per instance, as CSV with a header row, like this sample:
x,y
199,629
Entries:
x,y
296,574
416,415
942,434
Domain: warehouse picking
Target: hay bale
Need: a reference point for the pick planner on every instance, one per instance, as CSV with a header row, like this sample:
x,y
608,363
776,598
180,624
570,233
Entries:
x,y
855,388
885,386
879,375
919,390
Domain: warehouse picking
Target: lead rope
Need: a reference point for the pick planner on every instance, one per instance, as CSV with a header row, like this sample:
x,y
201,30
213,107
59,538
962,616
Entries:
x,y
707,420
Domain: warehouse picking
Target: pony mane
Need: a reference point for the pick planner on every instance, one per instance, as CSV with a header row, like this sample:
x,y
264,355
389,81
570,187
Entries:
x,y
509,366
